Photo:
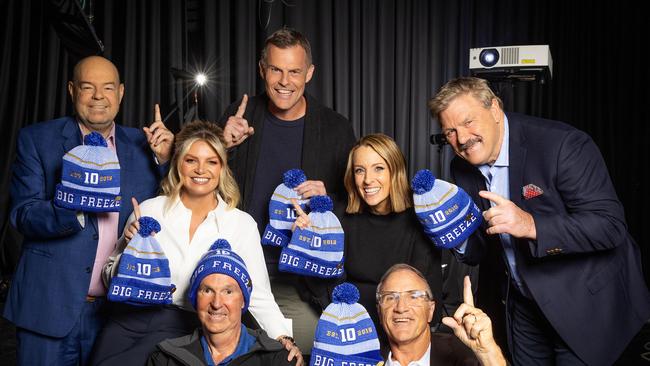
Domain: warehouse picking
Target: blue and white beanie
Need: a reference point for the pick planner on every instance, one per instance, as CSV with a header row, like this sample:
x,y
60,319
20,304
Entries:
x,y
317,250
447,213
90,178
345,334
143,275
281,212
221,259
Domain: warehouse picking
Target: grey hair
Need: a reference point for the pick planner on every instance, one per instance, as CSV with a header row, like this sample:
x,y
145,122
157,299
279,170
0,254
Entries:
x,y
403,267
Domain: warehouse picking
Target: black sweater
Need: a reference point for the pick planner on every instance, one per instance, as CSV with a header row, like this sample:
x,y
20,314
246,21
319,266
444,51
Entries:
x,y
374,243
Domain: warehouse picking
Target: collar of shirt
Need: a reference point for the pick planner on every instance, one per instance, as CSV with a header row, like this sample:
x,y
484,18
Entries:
x,y
503,160
245,343
178,208
425,360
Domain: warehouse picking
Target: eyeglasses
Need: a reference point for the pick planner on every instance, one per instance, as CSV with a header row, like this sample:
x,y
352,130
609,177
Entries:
x,y
410,298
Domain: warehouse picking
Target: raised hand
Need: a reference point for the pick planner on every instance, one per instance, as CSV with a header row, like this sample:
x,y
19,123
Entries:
x,y
161,140
474,328
506,217
132,229
293,349
237,129
303,220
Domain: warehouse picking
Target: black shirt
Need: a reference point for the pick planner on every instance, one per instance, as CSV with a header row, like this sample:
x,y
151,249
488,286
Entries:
x,y
281,150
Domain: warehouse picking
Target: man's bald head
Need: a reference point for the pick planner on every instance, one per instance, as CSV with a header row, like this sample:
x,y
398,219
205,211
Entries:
x,y
93,62
96,92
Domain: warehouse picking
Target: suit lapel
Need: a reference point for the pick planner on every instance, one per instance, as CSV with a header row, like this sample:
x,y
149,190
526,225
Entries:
x,y
71,139
310,139
124,148
517,156
71,135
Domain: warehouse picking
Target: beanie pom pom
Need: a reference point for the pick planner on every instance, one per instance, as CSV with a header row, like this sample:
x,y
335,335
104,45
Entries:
x,y
423,181
95,139
345,292
321,204
220,244
292,178
148,225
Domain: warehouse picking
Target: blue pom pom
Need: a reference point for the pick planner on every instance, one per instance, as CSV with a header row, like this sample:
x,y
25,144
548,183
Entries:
x,y
345,292
423,181
220,244
95,139
292,178
321,204
148,225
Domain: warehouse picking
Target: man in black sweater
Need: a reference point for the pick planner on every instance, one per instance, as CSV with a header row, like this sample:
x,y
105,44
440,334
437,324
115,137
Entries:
x,y
279,130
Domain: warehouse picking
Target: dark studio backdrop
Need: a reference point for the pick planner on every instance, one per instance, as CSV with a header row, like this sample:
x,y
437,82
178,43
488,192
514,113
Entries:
x,y
377,62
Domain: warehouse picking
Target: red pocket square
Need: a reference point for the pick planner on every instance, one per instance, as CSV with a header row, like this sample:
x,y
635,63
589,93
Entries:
x,y
531,191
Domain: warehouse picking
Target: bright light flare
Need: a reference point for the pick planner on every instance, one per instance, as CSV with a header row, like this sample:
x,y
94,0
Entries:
x,y
201,79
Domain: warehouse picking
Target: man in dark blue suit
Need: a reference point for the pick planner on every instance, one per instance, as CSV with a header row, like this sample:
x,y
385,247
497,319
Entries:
x,y
554,241
56,299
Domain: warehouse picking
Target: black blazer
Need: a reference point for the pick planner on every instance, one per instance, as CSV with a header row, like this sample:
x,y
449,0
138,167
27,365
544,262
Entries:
x,y
327,140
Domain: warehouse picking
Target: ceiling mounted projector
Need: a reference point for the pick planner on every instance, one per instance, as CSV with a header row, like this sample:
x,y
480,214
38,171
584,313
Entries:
x,y
528,63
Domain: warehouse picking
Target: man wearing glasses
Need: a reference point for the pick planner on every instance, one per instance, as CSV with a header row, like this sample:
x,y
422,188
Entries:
x,y
406,307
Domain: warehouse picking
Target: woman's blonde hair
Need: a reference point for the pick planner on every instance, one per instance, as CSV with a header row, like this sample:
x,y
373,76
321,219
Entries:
x,y
399,197
212,134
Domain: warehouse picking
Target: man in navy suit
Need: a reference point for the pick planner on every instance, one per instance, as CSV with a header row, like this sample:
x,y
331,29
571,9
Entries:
x,y
56,299
554,241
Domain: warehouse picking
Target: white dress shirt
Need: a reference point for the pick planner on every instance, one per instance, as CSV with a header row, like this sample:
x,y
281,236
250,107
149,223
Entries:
x,y
234,225
425,360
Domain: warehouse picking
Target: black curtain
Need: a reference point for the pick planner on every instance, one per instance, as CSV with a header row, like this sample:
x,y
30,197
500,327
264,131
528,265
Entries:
x,y
377,62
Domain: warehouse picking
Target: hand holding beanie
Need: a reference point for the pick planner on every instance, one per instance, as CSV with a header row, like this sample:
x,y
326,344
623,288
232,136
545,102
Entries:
x,y
317,250
90,177
143,275
447,213
281,212
345,334
221,259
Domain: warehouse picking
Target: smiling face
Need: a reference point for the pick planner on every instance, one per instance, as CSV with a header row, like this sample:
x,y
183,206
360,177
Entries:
x,y
473,131
406,323
219,304
285,75
96,93
372,179
200,169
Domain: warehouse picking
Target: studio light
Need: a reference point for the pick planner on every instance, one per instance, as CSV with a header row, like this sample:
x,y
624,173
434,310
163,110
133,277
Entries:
x,y
201,79
196,81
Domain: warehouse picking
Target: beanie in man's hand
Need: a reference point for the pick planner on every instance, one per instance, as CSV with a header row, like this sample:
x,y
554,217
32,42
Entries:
x,y
318,249
90,178
345,334
221,259
281,212
447,213
143,275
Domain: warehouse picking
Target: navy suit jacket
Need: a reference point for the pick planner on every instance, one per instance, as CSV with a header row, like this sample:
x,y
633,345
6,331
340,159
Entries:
x,y
584,269
53,273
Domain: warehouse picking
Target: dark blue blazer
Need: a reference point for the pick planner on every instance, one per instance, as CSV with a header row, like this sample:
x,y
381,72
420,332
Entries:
x,y
584,269
53,273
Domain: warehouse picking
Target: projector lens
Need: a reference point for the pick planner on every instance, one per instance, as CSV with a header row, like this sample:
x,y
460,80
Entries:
x,y
489,57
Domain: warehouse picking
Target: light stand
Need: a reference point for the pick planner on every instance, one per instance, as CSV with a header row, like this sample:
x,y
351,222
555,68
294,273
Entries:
x,y
198,81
